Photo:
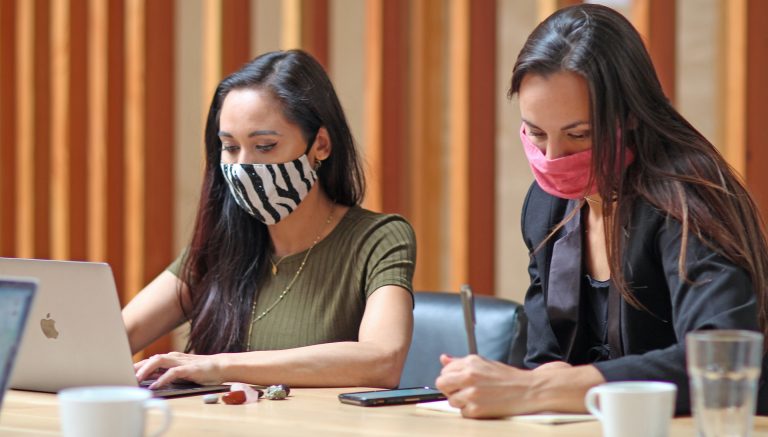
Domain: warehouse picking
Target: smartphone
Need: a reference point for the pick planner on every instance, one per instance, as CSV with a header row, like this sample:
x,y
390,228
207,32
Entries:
x,y
398,396
468,304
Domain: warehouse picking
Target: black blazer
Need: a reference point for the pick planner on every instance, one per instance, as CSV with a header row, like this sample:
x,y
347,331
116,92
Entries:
x,y
716,295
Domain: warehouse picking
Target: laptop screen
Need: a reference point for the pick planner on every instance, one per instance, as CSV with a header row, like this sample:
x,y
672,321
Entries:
x,y
15,302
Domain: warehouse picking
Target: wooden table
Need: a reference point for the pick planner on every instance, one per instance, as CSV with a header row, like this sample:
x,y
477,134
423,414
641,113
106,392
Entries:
x,y
308,412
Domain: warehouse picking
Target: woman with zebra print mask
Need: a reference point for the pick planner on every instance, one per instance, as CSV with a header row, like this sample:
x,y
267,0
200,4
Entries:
x,y
286,279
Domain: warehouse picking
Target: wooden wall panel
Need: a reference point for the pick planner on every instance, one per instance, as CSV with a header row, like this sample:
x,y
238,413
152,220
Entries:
x,y
385,106
236,41
427,100
547,7
745,106
116,215
159,136
149,135
157,142
78,119
305,26
757,102
42,133
459,149
134,152
472,133
212,42
60,127
97,139
314,29
734,83
25,130
655,20
8,139
69,121
482,141
290,24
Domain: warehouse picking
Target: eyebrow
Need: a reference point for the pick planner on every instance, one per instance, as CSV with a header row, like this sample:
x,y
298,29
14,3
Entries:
x,y
252,134
566,127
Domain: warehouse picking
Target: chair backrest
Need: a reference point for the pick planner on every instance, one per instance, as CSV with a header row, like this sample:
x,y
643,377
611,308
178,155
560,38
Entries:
x,y
439,328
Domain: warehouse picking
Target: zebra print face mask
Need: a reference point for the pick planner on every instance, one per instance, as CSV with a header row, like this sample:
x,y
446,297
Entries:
x,y
270,192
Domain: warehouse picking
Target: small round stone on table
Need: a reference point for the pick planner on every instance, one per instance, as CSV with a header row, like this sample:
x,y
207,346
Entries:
x,y
277,392
212,398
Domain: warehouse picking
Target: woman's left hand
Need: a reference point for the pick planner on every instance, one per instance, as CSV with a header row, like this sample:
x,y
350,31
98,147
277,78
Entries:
x,y
483,388
200,369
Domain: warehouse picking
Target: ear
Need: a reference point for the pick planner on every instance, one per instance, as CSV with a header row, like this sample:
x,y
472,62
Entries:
x,y
321,148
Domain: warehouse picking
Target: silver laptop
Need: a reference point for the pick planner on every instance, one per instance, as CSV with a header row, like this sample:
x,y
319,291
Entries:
x,y
75,334
15,302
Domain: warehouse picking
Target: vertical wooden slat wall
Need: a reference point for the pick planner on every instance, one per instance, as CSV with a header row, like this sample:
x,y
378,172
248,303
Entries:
x,y
25,141
212,42
116,170
236,41
97,140
134,157
745,108
428,80
482,141
61,50
42,148
459,136
734,83
314,29
472,143
157,142
655,20
87,120
757,101
86,134
547,7
8,139
385,108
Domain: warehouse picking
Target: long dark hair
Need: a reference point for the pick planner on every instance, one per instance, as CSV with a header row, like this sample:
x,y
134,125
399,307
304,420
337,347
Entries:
x,y
226,257
675,168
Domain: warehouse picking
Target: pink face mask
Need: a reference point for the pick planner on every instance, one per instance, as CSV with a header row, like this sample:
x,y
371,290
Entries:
x,y
565,177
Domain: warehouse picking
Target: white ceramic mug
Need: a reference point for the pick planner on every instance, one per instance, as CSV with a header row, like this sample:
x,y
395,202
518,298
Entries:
x,y
633,408
108,411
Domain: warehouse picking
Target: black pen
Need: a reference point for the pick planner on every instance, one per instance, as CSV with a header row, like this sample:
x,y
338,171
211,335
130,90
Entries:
x,y
468,304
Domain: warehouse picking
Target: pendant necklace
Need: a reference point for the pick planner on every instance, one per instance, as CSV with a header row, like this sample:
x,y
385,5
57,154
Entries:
x,y
254,317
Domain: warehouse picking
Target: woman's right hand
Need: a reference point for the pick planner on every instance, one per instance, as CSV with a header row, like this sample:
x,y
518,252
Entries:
x,y
170,367
485,389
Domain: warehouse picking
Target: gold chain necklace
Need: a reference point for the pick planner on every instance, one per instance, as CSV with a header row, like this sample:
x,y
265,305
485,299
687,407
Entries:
x,y
275,264
254,318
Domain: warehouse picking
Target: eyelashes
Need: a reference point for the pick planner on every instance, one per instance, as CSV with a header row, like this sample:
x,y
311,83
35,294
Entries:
x,y
259,147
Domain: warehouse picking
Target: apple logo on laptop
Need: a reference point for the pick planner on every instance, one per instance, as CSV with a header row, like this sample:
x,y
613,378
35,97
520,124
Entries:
x,y
48,325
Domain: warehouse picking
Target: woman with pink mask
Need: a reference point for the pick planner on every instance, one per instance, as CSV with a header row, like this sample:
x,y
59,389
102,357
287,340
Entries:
x,y
638,230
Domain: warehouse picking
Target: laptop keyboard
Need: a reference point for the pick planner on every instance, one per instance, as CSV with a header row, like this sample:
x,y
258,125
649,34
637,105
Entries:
x,y
182,388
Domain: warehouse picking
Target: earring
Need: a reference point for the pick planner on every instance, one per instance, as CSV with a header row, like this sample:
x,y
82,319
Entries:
x,y
318,163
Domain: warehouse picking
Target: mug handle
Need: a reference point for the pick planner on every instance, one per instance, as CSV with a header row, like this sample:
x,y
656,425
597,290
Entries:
x,y
159,404
590,400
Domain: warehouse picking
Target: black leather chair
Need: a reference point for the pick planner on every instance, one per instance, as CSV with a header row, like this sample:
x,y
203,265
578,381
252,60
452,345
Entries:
x,y
439,328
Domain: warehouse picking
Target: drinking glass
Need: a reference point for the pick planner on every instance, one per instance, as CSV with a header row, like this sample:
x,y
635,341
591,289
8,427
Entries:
x,y
724,369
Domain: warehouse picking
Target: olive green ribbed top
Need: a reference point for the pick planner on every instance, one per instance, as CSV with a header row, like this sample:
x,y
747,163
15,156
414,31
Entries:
x,y
364,252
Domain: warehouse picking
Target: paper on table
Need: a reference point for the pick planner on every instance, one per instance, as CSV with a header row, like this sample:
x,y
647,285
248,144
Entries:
x,y
547,419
